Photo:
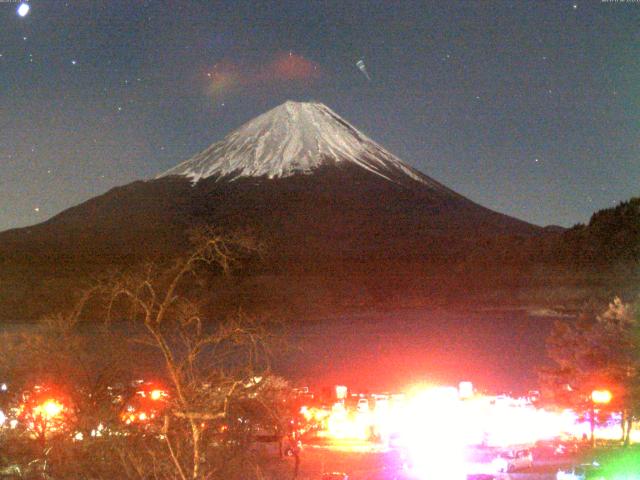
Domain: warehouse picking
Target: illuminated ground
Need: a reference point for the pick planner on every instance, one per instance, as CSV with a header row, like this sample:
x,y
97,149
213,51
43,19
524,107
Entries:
x,y
375,463
361,463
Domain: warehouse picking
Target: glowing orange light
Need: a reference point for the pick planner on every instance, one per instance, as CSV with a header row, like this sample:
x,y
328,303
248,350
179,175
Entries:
x,y
601,396
307,414
156,394
142,416
52,408
49,409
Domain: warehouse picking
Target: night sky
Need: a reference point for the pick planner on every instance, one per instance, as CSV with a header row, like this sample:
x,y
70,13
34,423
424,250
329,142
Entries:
x,y
530,108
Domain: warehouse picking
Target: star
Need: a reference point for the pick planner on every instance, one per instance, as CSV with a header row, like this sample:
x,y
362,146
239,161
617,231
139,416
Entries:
x,y
74,62
23,9
575,6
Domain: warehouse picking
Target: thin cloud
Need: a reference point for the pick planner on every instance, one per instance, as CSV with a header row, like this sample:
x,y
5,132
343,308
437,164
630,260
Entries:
x,y
228,77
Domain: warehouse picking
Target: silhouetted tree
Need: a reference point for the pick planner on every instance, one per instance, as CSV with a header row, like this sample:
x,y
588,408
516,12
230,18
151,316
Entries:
x,y
597,353
220,391
218,374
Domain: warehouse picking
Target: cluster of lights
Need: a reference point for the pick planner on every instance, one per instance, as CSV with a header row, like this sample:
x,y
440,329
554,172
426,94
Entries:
x,y
145,407
485,419
42,417
435,425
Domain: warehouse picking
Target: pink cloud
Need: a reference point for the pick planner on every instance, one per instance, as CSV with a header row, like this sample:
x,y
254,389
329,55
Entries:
x,y
289,67
227,77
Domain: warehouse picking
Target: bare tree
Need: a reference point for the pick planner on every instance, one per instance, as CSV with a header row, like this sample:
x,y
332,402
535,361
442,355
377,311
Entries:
x,y
221,393
59,372
216,372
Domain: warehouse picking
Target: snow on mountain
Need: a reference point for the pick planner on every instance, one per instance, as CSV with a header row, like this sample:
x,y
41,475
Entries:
x,y
294,138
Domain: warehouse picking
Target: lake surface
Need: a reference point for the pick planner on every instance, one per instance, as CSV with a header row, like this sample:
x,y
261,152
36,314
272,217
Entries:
x,y
388,351
497,350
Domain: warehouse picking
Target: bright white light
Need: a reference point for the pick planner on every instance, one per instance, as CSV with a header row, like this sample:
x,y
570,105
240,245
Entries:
x,y
23,9
431,428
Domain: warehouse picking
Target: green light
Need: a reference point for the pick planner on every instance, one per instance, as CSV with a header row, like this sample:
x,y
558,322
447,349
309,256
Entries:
x,y
621,465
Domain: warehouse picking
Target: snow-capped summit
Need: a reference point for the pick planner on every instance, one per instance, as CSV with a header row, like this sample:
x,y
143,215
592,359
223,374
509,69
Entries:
x,y
295,137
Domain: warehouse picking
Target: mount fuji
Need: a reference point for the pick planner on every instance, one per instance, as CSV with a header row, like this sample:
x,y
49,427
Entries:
x,y
322,196
291,139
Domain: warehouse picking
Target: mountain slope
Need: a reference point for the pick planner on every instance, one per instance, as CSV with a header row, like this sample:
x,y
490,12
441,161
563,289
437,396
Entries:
x,y
299,175
322,197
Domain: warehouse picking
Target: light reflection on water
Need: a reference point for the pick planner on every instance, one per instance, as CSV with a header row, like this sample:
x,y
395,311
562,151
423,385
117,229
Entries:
x,y
386,351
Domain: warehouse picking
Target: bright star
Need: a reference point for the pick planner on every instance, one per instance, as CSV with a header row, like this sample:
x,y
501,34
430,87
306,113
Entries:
x,y
23,9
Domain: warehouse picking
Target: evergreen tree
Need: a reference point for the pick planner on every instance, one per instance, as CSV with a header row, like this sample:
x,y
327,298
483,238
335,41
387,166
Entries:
x,y
594,353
